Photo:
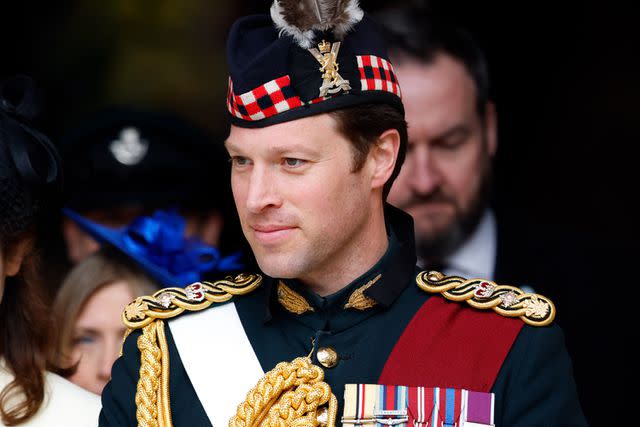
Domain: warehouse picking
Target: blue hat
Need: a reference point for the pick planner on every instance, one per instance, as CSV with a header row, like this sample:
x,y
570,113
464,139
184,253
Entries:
x,y
305,60
158,245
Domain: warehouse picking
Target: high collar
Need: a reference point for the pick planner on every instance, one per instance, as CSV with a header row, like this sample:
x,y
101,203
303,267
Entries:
x,y
396,269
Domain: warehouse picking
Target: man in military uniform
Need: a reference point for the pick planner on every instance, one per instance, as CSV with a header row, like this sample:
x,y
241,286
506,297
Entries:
x,y
340,327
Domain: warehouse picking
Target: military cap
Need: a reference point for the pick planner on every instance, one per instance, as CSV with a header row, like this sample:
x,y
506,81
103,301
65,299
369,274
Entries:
x,y
307,58
123,156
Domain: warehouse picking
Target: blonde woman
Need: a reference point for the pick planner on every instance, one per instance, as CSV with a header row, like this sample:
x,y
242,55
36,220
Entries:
x,y
88,310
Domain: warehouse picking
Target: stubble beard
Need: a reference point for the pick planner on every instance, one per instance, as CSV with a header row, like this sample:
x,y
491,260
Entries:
x,y
438,245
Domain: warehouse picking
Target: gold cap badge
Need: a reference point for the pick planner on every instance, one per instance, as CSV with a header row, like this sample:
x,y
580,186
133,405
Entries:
x,y
327,55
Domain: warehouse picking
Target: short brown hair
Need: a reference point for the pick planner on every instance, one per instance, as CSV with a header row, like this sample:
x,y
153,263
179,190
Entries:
x,y
363,125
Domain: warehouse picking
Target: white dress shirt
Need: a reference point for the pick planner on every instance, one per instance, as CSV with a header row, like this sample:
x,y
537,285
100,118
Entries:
x,y
476,258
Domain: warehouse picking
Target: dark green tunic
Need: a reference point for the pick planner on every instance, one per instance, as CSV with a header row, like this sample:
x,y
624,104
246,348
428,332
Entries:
x,y
534,386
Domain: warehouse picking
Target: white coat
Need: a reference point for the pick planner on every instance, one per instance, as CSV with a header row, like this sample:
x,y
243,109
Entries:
x,y
65,404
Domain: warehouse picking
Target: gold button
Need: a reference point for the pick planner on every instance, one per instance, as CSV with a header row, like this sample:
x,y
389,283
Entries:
x,y
327,357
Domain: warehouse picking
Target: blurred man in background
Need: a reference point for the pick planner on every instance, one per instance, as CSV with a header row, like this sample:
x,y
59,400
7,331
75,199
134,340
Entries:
x,y
445,183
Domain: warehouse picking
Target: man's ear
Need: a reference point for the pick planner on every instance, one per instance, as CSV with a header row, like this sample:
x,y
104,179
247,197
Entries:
x,y
384,155
15,254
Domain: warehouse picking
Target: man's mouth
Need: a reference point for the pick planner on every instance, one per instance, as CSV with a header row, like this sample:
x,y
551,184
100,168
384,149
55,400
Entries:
x,y
271,233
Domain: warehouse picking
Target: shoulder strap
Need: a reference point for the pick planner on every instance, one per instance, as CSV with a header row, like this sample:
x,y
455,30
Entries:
x,y
170,302
482,294
221,365
153,407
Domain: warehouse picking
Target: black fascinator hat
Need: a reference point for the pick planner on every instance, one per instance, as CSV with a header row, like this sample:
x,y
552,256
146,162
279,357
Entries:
x,y
30,168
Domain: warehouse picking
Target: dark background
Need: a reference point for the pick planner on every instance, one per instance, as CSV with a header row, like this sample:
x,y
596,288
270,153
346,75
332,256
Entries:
x,y
565,79
564,76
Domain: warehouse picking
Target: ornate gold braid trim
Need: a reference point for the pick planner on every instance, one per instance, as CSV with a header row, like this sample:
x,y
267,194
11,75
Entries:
x,y
291,394
144,310
150,368
509,301
153,408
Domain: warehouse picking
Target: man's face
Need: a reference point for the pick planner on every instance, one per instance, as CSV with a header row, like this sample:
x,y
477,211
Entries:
x,y
303,209
443,181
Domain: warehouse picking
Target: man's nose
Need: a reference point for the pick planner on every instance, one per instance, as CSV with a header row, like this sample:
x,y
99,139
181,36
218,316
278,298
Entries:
x,y
263,189
425,176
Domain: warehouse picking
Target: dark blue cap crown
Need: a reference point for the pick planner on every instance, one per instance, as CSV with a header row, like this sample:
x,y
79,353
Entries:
x,y
274,79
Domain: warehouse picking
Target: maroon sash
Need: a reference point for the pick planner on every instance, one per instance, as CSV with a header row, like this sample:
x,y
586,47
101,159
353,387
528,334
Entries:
x,y
448,344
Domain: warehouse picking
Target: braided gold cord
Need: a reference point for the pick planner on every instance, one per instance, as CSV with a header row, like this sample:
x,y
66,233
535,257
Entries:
x,y
164,405
508,301
150,368
144,310
288,395
153,407
299,407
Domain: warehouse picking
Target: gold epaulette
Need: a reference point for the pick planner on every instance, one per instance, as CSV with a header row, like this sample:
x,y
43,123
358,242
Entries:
x,y
148,313
509,301
170,302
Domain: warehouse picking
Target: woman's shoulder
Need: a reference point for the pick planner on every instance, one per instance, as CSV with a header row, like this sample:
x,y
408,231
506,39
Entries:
x,y
60,387
66,402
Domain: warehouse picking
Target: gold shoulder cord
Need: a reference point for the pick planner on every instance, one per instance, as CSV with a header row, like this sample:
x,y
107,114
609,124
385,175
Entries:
x,y
509,301
148,313
291,394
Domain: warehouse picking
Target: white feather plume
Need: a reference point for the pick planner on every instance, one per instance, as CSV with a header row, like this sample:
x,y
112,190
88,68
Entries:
x,y
301,18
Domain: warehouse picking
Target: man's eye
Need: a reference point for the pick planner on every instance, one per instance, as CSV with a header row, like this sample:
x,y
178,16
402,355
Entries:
x,y
239,161
294,163
455,143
